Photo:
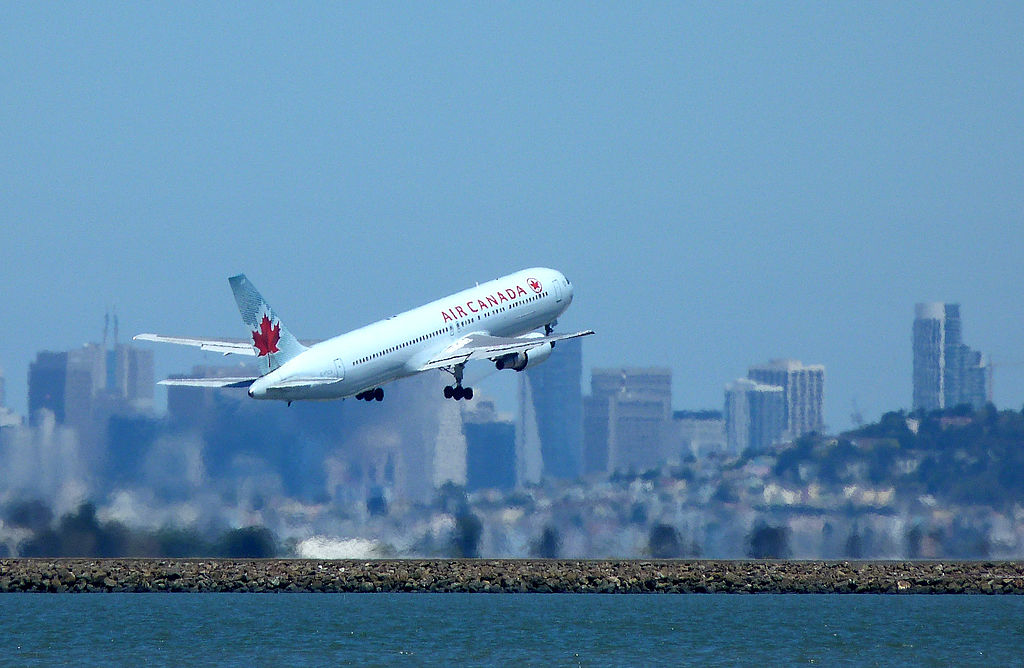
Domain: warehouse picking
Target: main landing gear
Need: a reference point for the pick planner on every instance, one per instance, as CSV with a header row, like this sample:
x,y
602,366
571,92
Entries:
x,y
457,392
376,394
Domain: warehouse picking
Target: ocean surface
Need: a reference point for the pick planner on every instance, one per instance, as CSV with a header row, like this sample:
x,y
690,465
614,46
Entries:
x,y
508,629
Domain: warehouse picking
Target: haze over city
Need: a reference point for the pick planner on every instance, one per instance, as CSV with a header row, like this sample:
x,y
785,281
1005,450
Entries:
x,y
723,184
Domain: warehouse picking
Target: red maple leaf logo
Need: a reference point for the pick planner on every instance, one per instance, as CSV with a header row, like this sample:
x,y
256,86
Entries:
x,y
534,284
266,337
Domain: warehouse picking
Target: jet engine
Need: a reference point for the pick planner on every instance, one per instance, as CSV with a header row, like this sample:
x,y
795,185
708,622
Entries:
x,y
524,360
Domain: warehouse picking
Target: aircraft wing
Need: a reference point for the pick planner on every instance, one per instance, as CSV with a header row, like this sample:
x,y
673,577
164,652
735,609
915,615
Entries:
x,y
208,382
226,346
483,346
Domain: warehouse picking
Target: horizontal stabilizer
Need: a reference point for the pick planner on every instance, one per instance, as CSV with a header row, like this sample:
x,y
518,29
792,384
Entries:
x,y
208,382
226,346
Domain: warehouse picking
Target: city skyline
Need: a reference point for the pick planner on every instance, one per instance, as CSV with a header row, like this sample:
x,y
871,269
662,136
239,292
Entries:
x,y
403,478
724,184
779,372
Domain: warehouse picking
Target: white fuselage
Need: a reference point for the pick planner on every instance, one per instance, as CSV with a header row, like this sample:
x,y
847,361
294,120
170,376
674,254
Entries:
x,y
399,346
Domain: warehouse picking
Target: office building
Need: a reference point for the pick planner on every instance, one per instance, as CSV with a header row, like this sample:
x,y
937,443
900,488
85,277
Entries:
x,y
490,448
947,373
7,417
627,420
755,415
552,397
699,433
47,382
803,390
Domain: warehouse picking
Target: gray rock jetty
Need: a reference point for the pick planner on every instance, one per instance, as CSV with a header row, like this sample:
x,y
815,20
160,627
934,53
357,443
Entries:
x,y
509,575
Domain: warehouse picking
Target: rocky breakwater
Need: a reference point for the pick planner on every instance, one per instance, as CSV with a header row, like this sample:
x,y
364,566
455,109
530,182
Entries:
x,y
495,576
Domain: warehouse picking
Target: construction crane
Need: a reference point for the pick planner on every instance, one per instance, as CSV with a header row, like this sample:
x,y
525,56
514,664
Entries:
x,y
992,372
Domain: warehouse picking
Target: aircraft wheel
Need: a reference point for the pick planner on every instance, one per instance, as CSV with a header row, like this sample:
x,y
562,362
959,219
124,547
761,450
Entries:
x,y
467,393
457,392
447,391
378,394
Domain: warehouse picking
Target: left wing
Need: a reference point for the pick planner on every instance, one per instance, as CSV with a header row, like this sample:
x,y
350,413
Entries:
x,y
483,346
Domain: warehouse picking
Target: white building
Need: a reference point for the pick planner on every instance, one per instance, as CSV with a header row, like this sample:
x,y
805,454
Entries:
x,y
755,415
803,391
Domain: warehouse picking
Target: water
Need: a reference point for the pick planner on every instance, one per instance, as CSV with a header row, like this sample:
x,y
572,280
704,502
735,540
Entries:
x,y
508,629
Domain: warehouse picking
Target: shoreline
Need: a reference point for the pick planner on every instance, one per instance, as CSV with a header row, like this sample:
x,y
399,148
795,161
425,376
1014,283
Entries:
x,y
511,576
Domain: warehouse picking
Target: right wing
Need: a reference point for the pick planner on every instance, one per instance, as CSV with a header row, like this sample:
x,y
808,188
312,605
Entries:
x,y
484,346
226,346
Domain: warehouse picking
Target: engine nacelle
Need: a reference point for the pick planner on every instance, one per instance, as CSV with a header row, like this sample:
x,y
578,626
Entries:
x,y
524,360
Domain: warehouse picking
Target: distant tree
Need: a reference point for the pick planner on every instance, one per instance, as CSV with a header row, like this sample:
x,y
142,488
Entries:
x,y
725,493
180,543
451,498
913,538
854,548
664,542
79,534
29,514
549,544
466,540
768,542
255,542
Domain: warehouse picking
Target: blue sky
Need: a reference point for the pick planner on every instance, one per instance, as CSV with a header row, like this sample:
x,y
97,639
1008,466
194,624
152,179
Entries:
x,y
724,183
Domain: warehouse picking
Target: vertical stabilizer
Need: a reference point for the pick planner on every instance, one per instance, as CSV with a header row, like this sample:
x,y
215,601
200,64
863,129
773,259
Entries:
x,y
274,344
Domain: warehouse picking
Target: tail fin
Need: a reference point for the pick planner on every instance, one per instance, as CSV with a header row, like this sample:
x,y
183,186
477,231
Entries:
x,y
274,344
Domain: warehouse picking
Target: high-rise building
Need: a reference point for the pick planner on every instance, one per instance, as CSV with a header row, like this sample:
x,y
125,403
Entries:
x,y
627,420
7,417
947,373
755,415
130,375
490,448
699,433
47,381
84,385
803,390
554,400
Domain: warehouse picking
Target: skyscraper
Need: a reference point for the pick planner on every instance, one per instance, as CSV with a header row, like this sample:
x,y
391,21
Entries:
x,y
755,415
803,390
47,380
556,404
947,373
628,419
490,448
7,417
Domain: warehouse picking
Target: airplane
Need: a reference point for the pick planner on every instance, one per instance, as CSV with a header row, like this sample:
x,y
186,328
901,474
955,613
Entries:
x,y
497,320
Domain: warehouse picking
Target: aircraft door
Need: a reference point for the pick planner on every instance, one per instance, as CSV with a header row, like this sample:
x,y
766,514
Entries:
x,y
558,290
339,369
